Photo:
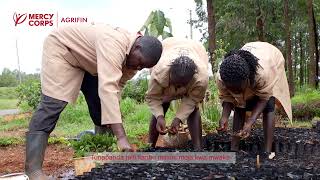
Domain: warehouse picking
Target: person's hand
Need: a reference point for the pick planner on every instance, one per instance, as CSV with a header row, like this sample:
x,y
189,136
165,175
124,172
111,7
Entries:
x,y
161,125
223,125
175,125
246,130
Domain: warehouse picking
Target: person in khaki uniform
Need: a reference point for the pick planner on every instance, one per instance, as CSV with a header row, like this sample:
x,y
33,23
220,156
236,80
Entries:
x,y
253,79
181,73
96,59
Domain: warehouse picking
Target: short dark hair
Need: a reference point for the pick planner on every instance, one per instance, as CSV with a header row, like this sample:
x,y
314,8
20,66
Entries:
x,y
183,67
239,65
151,48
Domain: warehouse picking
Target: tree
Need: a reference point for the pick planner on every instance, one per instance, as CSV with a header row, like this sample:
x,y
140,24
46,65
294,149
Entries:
x,y
302,64
313,75
294,32
155,25
260,22
8,78
288,47
212,32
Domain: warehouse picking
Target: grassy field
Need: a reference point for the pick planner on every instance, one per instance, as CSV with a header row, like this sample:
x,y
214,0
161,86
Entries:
x,y
8,103
13,124
8,93
8,99
75,119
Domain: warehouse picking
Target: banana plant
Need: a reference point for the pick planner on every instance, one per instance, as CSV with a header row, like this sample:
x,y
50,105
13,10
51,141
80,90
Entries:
x,y
157,25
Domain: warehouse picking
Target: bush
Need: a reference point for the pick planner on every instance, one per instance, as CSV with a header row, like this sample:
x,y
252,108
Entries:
x,y
93,143
29,93
135,89
306,104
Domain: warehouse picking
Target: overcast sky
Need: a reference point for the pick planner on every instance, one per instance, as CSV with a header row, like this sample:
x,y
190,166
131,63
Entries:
x,y
129,14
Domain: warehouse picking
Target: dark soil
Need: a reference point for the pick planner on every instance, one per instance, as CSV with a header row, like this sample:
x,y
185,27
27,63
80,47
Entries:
x,y
58,159
297,157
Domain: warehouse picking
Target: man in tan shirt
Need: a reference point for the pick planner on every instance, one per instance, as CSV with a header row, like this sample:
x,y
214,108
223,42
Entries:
x,y
96,59
180,74
253,79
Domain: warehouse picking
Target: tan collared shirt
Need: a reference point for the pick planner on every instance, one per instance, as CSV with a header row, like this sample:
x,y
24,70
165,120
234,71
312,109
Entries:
x,y
98,49
159,87
270,81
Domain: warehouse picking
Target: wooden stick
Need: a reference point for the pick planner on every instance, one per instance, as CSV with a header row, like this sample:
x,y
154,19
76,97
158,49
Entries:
x,y
258,162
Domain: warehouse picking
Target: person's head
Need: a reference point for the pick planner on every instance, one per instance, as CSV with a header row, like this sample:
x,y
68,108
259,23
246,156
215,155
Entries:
x,y
181,71
238,70
145,53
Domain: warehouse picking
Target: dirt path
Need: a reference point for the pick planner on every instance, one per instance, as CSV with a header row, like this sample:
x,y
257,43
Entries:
x,y
58,159
8,112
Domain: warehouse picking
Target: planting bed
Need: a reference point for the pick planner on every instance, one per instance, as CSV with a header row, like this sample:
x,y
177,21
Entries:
x,y
297,157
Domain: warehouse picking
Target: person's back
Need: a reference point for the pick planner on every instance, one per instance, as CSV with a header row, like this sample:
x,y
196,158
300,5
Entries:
x,y
84,41
174,47
267,54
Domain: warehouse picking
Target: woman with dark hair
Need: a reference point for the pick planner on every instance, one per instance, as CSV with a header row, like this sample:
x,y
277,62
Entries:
x,y
252,79
181,73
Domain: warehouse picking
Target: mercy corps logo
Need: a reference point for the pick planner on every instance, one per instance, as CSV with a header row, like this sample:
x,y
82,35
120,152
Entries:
x,y
44,19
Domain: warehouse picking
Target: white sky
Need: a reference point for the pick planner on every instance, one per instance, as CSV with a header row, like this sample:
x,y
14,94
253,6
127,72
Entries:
x,y
129,14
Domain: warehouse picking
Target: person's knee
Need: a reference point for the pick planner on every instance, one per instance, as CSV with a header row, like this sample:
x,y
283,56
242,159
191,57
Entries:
x,y
270,107
195,115
46,115
96,118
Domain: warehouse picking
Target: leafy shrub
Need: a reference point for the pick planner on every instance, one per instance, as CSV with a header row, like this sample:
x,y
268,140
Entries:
x,y
211,108
93,143
29,92
135,89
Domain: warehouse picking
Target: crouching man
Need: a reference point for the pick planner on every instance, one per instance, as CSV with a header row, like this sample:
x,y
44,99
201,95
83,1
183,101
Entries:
x,y
96,59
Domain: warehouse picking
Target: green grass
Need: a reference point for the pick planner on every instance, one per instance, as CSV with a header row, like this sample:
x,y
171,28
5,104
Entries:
x,y
58,140
73,120
13,124
306,104
8,103
137,122
300,124
7,141
137,117
8,98
307,96
8,93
